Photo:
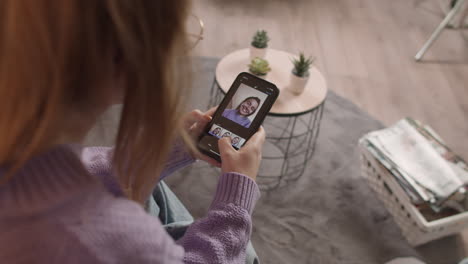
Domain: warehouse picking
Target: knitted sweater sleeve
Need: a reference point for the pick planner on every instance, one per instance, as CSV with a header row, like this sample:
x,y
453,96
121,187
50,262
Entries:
x,y
116,230
222,236
219,237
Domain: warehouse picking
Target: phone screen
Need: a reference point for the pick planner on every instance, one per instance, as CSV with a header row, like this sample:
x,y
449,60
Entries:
x,y
240,114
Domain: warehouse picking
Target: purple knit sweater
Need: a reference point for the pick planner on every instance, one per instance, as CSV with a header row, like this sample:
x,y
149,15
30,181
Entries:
x,y
64,206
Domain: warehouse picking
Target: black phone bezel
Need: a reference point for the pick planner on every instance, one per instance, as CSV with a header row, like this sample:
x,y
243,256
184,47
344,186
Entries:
x,y
254,82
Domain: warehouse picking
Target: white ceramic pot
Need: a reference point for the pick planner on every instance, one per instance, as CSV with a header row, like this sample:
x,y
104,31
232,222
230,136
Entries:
x,y
256,52
297,84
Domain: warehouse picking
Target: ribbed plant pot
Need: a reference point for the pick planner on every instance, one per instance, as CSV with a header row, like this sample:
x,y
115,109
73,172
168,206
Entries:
x,y
256,52
297,84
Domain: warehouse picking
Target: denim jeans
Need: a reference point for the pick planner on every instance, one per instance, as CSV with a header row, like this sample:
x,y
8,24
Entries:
x,y
175,218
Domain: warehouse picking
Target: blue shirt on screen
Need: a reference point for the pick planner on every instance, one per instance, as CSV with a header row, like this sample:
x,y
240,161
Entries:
x,y
232,115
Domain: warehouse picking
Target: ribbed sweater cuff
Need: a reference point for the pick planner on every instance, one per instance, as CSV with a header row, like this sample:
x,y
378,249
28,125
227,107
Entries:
x,y
237,189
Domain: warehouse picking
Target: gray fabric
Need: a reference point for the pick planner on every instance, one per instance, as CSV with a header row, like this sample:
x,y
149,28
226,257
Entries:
x,y
165,205
329,215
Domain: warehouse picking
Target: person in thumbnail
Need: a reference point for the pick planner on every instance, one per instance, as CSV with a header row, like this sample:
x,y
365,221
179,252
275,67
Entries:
x,y
235,141
226,134
245,109
216,131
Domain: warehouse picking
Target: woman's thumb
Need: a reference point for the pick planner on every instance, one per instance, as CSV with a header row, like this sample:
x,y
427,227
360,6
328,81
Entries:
x,y
224,145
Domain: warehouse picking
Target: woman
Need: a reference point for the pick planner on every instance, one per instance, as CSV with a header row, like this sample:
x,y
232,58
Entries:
x,y
226,134
245,109
62,63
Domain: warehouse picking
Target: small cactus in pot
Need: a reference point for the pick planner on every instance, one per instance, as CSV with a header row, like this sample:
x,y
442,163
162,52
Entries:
x,y
300,73
259,66
259,44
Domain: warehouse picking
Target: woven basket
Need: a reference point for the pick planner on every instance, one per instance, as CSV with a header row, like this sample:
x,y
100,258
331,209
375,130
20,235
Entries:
x,y
412,223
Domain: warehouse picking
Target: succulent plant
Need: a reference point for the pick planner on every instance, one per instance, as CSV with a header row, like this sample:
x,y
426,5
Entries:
x,y
302,65
259,66
260,39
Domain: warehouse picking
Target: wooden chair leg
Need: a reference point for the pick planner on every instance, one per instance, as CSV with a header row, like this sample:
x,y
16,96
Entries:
x,y
458,6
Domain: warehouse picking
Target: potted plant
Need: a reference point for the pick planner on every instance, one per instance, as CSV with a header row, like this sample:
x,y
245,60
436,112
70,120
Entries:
x,y
259,67
259,44
300,73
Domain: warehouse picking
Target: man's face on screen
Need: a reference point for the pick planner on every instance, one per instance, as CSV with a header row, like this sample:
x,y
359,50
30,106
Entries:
x,y
248,107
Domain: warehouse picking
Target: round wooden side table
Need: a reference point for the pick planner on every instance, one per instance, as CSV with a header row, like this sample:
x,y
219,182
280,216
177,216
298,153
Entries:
x,y
293,124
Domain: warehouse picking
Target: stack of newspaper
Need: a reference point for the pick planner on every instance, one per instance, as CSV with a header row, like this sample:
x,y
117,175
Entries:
x,y
429,172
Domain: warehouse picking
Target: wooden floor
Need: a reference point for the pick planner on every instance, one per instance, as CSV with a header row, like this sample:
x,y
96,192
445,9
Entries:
x,y
365,48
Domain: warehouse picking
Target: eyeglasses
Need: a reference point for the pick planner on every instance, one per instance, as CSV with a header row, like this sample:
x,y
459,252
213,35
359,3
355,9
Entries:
x,y
195,28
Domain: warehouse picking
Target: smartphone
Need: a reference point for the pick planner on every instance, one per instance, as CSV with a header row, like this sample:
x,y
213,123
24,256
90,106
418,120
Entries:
x,y
240,114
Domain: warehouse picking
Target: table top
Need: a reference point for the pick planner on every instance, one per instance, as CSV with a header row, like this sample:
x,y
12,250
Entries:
x,y
281,66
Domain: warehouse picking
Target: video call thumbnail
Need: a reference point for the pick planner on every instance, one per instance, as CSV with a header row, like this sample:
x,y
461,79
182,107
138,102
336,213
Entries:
x,y
220,132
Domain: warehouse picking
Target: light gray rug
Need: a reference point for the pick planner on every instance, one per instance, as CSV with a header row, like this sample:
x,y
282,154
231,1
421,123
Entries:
x,y
329,215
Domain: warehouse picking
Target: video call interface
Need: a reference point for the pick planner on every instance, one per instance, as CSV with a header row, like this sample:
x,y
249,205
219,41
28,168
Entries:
x,y
219,132
242,110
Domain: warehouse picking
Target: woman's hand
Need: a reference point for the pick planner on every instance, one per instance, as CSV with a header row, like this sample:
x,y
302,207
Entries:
x,y
194,123
245,160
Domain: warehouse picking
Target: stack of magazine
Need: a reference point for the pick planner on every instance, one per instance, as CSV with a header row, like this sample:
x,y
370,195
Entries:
x,y
428,171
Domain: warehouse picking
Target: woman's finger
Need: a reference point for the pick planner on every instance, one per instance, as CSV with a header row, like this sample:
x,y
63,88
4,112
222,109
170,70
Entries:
x,y
193,117
257,139
210,161
211,111
225,147
198,127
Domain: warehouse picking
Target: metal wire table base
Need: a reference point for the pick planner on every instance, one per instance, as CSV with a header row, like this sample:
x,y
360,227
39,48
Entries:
x,y
290,144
